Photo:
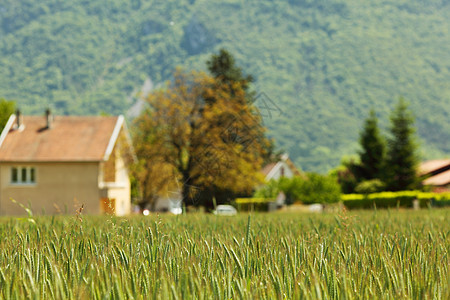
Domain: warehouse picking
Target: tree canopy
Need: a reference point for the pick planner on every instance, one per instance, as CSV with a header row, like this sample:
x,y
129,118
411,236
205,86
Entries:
x,y
208,145
373,152
308,189
402,158
378,169
222,66
6,110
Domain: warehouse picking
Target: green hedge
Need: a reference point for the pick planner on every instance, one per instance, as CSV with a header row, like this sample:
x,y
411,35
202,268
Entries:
x,y
253,204
395,199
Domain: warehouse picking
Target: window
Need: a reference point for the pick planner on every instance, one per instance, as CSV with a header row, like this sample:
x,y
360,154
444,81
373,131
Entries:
x,y
14,175
23,175
32,176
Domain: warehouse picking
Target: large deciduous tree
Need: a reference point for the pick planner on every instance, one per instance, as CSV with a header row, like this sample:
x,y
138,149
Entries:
x,y
205,135
222,66
153,176
402,158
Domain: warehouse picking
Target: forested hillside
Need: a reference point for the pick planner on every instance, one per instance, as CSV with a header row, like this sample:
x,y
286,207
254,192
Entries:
x,y
324,63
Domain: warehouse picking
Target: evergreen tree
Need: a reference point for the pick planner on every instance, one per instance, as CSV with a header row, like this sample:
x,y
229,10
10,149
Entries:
x,y
402,160
223,69
228,75
222,66
372,155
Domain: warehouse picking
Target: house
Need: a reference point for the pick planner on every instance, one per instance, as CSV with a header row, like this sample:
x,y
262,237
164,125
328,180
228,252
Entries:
x,y
284,167
61,164
436,174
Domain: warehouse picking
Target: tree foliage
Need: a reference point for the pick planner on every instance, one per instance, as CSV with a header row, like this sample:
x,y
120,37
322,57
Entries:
x,y
370,186
317,188
373,152
345,175
152,176
208,144
222,66
402,157
313,188
378,169
6,110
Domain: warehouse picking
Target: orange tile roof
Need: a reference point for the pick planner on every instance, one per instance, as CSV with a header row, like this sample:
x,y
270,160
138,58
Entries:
x,y
267,168
440,179
433,165
70,138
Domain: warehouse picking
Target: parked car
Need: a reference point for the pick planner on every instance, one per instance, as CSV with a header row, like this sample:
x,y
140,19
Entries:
x,y
176,210
225,210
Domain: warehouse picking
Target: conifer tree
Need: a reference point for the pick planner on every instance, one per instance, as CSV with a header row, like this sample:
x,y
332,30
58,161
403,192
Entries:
x,y
222,66
373,153
402,159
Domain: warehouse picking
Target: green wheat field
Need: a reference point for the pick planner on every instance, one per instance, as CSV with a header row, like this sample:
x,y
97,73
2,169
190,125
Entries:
x,y
386,254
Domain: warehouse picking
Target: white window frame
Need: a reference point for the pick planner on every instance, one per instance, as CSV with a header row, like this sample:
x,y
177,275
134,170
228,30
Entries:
x,y
29,170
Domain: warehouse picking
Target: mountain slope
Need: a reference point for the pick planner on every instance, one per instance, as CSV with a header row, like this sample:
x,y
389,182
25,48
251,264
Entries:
x,y
324,63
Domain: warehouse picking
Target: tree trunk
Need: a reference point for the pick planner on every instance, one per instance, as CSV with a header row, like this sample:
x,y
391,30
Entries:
x,y
186,190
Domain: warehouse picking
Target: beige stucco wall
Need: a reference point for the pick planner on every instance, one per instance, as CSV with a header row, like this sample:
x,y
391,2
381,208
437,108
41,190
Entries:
x,y
123,202
121,195
120,189
60,187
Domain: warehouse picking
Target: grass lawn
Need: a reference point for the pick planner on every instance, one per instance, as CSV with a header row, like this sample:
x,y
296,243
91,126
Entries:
x,y
359,254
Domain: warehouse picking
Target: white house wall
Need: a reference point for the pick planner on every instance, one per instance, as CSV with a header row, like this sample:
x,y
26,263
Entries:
x,y
276,172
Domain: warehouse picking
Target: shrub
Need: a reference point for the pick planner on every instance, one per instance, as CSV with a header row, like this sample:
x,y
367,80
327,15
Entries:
x,y
394,199
370,186
270,190
314,188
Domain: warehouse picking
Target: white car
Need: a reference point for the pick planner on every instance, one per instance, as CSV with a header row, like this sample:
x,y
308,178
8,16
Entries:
x,y
225,210
176,210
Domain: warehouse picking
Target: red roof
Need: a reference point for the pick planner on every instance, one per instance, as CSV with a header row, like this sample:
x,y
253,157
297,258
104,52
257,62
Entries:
x,y
430,166
440,179
267,168
70,138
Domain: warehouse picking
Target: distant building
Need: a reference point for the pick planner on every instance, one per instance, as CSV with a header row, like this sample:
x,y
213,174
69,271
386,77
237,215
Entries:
x,y
58,164
436,174
281,168
284,167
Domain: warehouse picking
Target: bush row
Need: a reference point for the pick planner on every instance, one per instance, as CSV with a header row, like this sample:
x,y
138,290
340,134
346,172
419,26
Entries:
x,y
395,199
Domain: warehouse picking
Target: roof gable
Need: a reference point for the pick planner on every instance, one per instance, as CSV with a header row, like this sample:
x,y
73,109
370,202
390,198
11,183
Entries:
x,y
271,169
434,166
441,179
70,138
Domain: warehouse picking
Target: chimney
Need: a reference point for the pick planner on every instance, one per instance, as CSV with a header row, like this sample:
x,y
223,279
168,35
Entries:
x,y
19,119
49,117
284,156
